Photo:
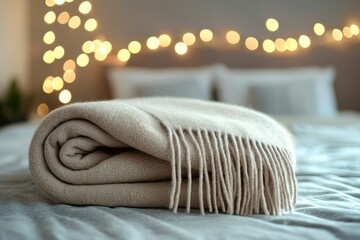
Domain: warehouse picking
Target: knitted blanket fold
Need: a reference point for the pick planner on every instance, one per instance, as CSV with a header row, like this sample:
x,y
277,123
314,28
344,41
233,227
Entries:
x,y
165,152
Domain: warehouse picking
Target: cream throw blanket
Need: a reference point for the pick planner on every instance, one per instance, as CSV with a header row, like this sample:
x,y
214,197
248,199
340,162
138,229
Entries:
x,y
165,152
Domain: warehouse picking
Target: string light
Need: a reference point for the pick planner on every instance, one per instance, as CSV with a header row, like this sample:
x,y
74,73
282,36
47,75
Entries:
x,y
164,40
206,35
268,46
42,110
181,48
49,57
354,29
59,2
50,17
69,76
291,44
304,41
90,25
319,29
59,52
74,22
123,55
134,47
251,43
82,60
233,37
69,65
189,38
85,7
272,24
280,45
49,37
63,17
65,96
47,85
337,34
101,49
50,3
153,43
88,47
57,83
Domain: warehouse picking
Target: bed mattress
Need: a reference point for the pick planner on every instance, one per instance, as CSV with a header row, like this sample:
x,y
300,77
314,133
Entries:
x,y
328,173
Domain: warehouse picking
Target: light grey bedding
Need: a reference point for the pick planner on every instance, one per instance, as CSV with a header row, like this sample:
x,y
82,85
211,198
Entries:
x,y
328,172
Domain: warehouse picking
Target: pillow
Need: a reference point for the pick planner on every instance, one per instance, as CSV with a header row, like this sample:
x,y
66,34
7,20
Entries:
x,y
237,86
189,88
295,98
125,81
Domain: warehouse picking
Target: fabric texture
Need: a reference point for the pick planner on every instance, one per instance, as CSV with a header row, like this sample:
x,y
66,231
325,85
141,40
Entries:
x,y
235,86
190,88
165,152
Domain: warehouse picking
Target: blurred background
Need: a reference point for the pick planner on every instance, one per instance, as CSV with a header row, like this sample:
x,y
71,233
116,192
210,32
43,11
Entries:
x,y
58,51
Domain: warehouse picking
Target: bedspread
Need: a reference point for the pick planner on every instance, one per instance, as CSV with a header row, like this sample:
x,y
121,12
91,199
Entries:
x,y
328,172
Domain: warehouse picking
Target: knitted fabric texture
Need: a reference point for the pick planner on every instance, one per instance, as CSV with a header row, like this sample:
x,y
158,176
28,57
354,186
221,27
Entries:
x,y
165,152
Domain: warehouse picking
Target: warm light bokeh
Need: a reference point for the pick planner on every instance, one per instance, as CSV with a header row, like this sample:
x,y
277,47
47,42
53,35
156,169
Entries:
x,y
134,47
268,46
82,60
63,18
206,35
49,37
337,34
153,43
181,48
189,38
57,83
251,43
50,17
280,45
85,7
74,22
304,41
232,37
90,25
272,24
124,55
42,110
164,40
69,65
69,76
291,44
319,29
65,96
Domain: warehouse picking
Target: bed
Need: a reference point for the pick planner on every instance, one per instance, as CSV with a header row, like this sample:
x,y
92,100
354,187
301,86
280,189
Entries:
x,y
328,166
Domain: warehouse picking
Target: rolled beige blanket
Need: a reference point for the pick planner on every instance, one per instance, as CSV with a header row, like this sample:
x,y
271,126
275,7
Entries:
x,y
165,152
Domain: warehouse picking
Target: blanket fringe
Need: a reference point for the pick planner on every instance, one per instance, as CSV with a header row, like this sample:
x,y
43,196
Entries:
x,y
237,175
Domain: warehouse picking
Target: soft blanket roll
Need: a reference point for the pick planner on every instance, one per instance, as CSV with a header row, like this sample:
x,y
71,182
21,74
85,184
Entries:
x,y
165,152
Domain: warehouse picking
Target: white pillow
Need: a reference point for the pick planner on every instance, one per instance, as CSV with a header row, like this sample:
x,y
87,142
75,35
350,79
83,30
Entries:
x,y
125,81
236,86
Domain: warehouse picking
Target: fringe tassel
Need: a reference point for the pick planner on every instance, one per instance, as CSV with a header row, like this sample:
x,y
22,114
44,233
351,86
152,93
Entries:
x,y
237,175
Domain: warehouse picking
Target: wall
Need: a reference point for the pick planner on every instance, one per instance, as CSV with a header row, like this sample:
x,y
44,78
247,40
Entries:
x,y
14,41
121,21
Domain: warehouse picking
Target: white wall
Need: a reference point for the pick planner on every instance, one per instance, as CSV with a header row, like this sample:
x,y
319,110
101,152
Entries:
x,y
14,41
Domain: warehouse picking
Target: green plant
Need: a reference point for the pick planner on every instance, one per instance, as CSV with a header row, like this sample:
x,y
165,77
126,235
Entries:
x,y
15,106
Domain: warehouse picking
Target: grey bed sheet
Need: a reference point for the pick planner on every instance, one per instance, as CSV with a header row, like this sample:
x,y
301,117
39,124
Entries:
x,y
328,172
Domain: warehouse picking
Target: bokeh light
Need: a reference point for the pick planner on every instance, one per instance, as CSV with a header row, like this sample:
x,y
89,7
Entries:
x,y
164,40
134,47
280,45
337,34
82,60
49,37
69,65
319,29
251,43
74,22
152,43
42,110
291,44
69,76
233,37
124,55
268,46
189,38
206,35
49,57
63,17
181,48
304,41
65,96
85,7
272,24
57,83
50,17
90,25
